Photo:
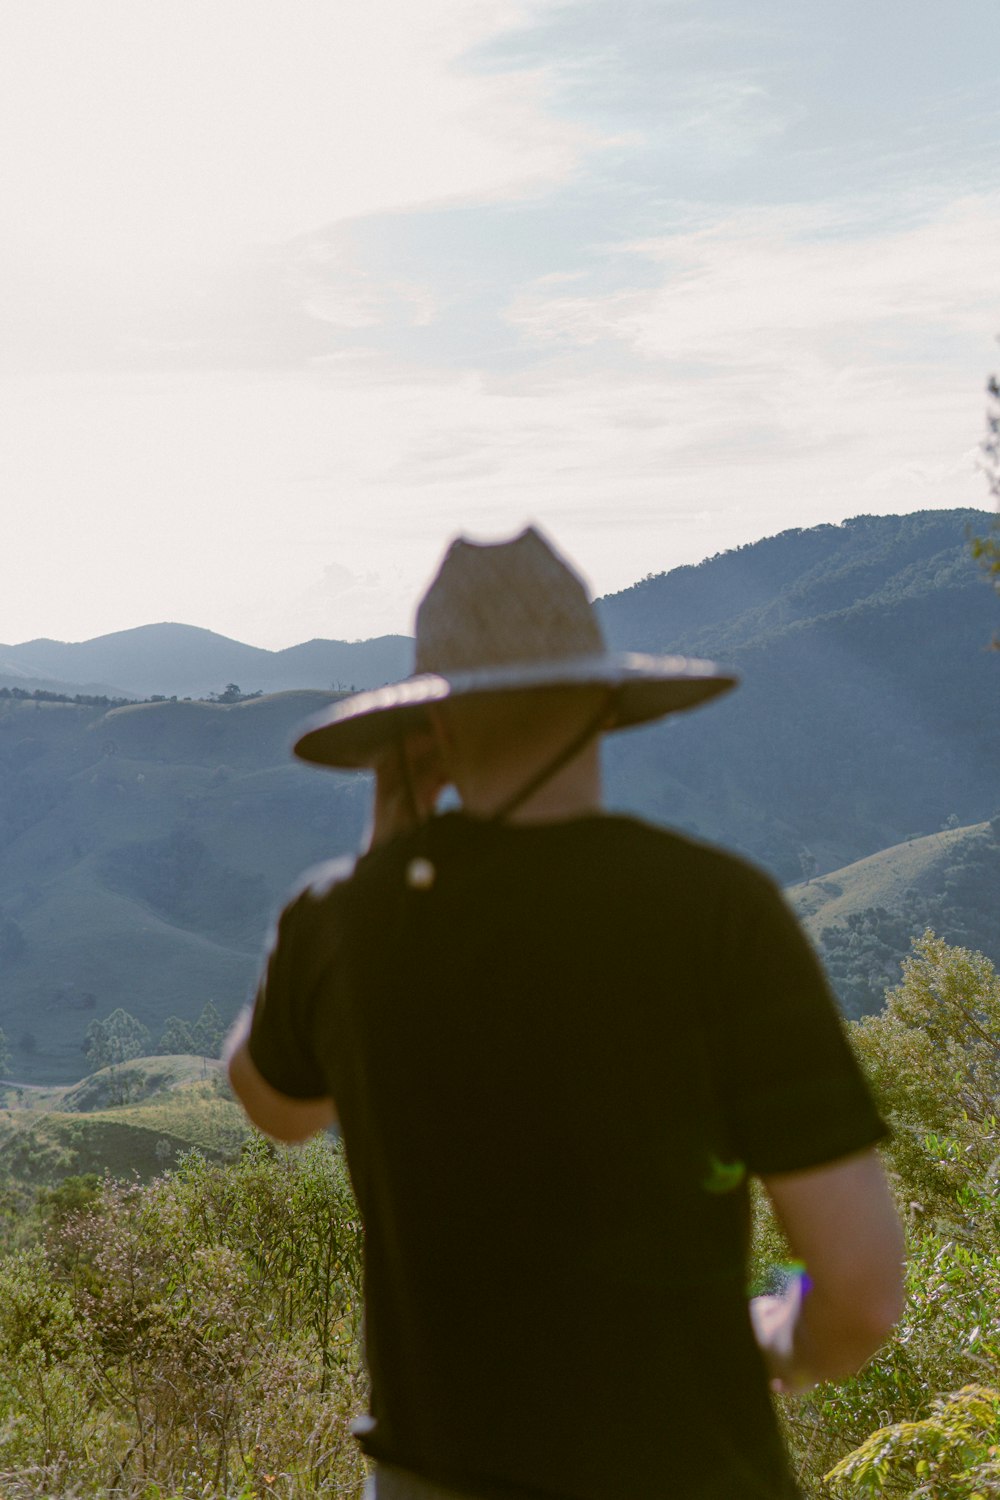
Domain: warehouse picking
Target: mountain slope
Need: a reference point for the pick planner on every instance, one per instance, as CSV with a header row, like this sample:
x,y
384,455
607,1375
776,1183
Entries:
x,y
143,852
144,849
761,589
853,728
864,917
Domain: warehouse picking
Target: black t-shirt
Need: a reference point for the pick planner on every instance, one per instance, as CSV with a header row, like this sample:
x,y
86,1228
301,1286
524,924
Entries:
x,y
554,1069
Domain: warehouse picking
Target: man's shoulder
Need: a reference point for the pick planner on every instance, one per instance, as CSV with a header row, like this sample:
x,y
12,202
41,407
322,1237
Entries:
x,y
319,881
318,887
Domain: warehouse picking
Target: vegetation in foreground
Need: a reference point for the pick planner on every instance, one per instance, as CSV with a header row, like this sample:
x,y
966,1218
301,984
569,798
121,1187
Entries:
x,y
198,1336
923,1418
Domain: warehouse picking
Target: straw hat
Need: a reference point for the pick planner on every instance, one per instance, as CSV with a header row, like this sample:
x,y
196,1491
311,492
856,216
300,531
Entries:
x,y
502,618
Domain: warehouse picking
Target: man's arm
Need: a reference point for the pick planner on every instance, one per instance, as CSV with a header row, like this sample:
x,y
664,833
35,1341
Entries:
x,y
285,1119
841,1222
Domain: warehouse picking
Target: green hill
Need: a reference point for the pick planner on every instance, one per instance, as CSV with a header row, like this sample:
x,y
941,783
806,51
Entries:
x,y
870,703
145,848
52,1134
143,853
863,917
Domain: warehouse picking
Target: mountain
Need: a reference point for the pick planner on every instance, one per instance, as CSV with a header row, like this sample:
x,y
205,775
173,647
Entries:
x,y
864,917
145,848
143,852
869,708
187,662
759,591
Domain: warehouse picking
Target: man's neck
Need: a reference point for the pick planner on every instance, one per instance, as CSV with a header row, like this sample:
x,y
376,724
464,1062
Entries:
x,y
573,792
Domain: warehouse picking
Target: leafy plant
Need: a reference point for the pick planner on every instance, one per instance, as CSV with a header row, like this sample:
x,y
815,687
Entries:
x,y
896,1429
195,1336
951,1454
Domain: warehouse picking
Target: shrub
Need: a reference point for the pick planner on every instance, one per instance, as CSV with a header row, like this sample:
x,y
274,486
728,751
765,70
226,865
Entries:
x,y
196,1336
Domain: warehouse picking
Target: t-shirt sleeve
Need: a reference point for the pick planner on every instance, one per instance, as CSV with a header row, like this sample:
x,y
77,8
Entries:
x,y
303,946
792,1091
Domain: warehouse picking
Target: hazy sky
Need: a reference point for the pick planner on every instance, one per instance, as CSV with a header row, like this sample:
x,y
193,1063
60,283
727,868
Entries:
x,y
290,294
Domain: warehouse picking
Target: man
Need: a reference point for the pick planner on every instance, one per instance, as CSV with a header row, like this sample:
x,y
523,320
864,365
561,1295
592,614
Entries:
x,y
558,1043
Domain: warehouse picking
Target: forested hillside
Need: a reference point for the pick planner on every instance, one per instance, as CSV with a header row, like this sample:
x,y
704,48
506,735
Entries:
x,y
145,848
869,709
864,918
143,852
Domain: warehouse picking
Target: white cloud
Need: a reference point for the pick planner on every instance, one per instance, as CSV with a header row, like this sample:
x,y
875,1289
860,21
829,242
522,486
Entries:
x,y
179,124
747,290
475,298
149,145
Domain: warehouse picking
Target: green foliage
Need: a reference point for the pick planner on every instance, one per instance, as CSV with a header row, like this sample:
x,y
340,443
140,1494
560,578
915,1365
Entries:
x,y
39,1148
933,1057
175,1038
233,693
194,1337
72,1196
951,1454
203,1038
208,1031
117,1039
862,956
946,1338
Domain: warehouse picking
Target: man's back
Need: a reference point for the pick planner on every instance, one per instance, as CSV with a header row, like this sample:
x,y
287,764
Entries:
x,y
544,1069
558,1043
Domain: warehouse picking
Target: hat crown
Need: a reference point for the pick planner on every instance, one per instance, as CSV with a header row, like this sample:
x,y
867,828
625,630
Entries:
x,y
500,604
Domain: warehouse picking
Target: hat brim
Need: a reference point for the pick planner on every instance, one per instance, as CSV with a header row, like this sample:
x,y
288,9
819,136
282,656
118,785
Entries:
x,y
353,732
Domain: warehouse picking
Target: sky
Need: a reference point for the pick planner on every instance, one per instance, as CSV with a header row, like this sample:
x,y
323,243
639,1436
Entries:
x,y
290,295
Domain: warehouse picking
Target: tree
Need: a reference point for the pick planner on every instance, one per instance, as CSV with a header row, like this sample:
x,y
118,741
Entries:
x,y
933,1057
207,1032
4,1056
987,548
898,1428
176,1037
115,1040
233,693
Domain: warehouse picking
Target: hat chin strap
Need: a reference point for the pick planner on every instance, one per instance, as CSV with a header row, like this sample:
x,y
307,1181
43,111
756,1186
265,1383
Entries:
x,y
420,872
552,768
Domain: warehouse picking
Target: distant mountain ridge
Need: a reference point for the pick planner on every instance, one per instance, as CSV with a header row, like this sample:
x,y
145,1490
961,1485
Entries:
x,y
751,593
188,662
873,718
144,849
764,588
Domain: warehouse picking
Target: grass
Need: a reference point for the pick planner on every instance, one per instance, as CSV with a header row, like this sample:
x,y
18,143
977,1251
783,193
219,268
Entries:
x,y
47,1135
879,880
